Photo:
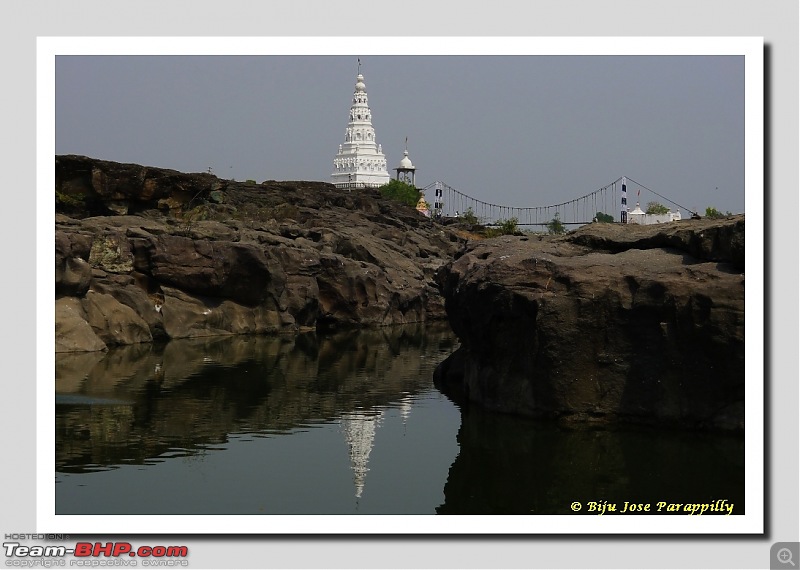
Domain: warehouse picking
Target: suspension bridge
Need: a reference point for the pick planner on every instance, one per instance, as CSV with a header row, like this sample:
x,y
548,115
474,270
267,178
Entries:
x,y
610,200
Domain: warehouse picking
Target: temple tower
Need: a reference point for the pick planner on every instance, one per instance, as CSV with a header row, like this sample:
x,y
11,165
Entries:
x,y
406,169
360,162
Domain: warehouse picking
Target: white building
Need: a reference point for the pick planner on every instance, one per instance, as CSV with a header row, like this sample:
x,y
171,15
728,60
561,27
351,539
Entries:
x,y
637,216
360,162
406,171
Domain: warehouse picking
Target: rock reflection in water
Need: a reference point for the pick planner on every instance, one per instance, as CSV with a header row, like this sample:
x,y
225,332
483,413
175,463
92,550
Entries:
x,y
140,404
514,465
226,405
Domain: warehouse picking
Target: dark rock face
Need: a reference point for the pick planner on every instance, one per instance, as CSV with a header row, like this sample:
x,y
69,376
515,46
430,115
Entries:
x,y
243,273
641,323
148,254
85,186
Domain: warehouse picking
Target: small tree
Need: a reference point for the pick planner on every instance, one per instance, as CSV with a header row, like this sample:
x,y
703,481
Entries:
x,y
656,208
604,218
714,214
509,226
470,217
401,192
555,226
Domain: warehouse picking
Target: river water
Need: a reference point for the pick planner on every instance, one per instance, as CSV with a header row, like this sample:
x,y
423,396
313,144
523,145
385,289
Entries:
x,y
342,423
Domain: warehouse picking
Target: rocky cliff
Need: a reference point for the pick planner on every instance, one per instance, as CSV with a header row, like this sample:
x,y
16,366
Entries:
x,y
641,323
147,253
610,322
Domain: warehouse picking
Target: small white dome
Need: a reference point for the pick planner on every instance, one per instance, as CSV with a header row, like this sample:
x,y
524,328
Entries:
x,y
360,83
406,162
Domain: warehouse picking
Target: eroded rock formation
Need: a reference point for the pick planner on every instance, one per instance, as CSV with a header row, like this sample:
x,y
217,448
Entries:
x,y
642,323
145,253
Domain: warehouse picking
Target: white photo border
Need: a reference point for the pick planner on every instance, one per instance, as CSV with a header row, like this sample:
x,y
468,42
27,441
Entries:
x,y
753,522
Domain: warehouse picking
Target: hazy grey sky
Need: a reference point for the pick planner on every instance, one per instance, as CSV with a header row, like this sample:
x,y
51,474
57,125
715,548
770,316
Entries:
x,y
516,130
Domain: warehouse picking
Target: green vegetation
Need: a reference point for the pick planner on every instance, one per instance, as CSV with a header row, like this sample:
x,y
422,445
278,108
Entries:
x,y
556,226
470,217
604,218
656,208
508,227
70,200
401,192
713,213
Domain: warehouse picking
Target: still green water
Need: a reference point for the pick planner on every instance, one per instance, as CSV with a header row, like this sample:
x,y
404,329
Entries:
x,y
341,423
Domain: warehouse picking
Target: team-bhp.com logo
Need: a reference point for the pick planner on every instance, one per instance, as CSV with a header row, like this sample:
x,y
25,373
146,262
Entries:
x,y
93,553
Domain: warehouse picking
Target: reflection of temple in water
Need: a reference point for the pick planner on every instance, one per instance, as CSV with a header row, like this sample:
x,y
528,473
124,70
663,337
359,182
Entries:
x,y
359,427
359,433
405,409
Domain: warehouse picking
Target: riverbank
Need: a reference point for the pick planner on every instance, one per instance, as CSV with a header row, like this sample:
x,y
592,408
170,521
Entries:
x,y
609,322
147,254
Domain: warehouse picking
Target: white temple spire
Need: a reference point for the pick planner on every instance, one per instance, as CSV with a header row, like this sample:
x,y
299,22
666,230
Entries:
x,y
360,161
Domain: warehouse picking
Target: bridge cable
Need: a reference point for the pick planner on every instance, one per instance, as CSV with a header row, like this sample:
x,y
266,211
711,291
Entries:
x,y
663,197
